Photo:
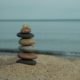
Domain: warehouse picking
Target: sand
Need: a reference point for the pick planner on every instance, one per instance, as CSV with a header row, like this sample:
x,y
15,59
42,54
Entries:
x,y
47,68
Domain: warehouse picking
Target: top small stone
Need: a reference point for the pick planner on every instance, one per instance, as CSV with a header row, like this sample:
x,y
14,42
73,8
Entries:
x,y
25,29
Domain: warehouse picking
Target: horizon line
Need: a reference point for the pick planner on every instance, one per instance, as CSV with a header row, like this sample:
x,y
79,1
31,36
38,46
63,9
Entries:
x,y
39,20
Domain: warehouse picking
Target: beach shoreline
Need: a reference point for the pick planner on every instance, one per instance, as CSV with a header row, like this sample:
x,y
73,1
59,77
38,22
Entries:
x,y
44,52
48,67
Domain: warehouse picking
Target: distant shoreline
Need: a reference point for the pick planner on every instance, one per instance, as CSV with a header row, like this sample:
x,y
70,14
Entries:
x,y
14,20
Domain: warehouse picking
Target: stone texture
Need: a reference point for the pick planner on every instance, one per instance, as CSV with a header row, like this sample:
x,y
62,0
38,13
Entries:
x,y
27,55
26,42
25,28
25,35
29,62
27,49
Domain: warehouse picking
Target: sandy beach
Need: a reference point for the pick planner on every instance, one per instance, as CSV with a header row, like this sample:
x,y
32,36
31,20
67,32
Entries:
x,y
47,68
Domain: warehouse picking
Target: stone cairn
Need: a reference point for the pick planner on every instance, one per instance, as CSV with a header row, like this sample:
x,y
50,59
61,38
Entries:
x,y
26,42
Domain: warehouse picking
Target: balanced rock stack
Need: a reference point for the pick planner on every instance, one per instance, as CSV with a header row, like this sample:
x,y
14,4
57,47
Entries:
x,y
26,42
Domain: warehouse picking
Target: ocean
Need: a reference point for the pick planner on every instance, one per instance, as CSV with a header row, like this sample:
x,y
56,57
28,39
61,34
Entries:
x,y
49,35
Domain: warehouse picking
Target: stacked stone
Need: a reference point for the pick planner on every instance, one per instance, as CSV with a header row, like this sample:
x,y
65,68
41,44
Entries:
x,y
26,42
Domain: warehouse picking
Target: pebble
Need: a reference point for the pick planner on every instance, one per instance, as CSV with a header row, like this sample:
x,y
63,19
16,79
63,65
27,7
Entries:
x,y
27,56
27,61
26,42
27,49
25,35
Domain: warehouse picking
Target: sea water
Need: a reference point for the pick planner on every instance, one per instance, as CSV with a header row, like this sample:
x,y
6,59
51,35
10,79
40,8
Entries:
x,y
49,35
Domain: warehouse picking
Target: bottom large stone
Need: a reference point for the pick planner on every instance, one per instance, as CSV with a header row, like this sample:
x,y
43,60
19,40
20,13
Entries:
x,y
27,55
29,62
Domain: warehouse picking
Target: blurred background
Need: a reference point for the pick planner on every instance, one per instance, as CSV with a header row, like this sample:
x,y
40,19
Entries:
x,y
55,23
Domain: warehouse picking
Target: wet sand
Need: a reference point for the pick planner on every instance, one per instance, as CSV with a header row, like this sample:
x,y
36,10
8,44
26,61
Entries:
x,y
47,68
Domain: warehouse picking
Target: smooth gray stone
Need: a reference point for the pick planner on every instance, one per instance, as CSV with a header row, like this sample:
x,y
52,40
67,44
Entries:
x,y
27,42
23,55
29,62
26,48
25,35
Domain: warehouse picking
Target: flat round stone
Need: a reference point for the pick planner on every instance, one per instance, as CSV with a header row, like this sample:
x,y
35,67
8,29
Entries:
x,y
27,49
25,35
27,55
26,42
27,61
